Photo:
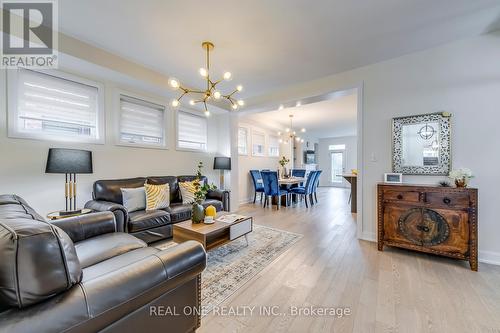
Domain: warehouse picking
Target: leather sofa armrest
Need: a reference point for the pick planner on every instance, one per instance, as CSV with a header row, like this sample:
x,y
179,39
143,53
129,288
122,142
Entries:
x,y
120,212
185,260
86,226
220,195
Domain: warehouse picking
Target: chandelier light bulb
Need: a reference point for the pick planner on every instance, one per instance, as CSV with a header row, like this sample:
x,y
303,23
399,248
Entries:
x,y
239,87
297,139
241,102
281,107
303,130
227,76
294,133
301,140
174,83
175,103
217,94
191,102
280,141
207,113
287,130
203,72
279,133
234,106
298,104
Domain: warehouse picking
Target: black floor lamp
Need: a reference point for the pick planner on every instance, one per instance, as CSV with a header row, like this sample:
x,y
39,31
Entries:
x,y
222,163
70,162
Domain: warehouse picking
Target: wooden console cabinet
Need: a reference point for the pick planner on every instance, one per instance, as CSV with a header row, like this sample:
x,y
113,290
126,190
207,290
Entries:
x,y
431,219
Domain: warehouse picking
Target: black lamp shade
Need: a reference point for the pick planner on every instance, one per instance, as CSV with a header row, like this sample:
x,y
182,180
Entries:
x,y
69,161
222,163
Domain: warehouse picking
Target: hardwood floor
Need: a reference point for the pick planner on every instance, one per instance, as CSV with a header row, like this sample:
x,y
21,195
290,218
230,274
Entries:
x,y
390,291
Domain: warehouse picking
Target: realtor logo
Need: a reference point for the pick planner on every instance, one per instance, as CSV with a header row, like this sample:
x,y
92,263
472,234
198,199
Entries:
x,y
29,36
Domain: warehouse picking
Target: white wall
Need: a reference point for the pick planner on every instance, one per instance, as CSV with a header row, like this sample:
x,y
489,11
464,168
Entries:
x,y
324,159
463,78
22,161
249,162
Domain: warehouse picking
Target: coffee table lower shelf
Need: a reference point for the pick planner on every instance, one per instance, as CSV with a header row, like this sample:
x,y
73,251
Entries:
x,y
212,235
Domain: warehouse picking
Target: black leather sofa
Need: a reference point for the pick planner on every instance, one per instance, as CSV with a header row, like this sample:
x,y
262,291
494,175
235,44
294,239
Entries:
x,y
80,275
150,226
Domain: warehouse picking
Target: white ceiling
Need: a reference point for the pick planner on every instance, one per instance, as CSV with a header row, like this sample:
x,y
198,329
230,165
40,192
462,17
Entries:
x,y
271,44
326,119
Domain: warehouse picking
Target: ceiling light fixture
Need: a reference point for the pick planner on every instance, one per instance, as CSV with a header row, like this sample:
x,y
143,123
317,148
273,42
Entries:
x,y
210,91
290,134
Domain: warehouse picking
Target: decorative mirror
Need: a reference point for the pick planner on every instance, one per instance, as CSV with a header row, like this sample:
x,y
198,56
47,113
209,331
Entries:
x,y
421,145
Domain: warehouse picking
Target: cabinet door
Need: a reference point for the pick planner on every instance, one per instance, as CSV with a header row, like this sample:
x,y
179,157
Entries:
x,y
410,235
458,240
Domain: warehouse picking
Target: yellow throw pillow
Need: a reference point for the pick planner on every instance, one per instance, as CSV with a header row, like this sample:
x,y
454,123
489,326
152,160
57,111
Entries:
x,y
157,196
187,191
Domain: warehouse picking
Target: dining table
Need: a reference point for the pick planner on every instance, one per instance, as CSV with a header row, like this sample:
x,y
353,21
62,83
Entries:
x,y
288,182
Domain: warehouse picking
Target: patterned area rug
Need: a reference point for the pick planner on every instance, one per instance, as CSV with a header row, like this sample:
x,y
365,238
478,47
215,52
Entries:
x,y
232,265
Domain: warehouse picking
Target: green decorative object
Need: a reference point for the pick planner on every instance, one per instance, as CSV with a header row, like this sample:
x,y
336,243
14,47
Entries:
x,y
197,213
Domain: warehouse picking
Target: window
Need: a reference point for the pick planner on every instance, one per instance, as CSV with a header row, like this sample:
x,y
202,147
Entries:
x,y
52,105
274,146
242,141
142,123
336,147
258,140
191,131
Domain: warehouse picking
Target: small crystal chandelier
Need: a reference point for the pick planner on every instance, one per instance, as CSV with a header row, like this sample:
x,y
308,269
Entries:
x,y
211,91
290,133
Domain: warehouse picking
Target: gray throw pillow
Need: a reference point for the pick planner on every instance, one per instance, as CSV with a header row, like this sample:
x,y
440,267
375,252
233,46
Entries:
x,y
134,198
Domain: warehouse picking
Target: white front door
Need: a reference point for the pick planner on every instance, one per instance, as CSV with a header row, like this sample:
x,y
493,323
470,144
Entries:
x,y
337,168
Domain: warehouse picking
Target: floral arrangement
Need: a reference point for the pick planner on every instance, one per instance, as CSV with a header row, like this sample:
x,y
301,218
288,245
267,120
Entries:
x,y
201,190
284,161
461,176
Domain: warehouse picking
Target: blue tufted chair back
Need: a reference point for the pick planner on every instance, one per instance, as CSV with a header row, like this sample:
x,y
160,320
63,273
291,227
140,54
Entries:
x,y
300,173
316,180
257,180
270,179
310,182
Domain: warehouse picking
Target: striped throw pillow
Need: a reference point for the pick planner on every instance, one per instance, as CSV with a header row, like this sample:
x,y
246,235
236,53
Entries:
x,y
187,191
157,196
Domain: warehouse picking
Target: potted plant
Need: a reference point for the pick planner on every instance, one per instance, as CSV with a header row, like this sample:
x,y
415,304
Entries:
x,y
461,176
283,162
200,193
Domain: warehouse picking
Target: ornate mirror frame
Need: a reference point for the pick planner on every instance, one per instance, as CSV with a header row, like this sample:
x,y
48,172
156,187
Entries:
x,y
444,166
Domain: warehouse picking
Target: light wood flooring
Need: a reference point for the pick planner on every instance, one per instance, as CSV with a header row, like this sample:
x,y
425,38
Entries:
x,y
390,291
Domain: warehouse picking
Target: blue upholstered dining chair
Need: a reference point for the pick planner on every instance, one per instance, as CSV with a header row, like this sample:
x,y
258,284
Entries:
x,y
272,188
258,184
316,184
306,190
299,173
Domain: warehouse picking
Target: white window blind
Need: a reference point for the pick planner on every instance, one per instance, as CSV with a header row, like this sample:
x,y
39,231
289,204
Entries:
x,y
191,131
141,122
242,141
258,141
336,147
274,146
53,107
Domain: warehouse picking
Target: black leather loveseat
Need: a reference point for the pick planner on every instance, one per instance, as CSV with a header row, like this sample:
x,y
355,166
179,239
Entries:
x,y
149,226
80,275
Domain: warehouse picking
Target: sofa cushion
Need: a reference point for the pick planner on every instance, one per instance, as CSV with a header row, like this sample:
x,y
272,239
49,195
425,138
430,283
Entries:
x,y
38,262
172,184
13,206
179,212
142,219
216,203
157,196
134,198
96,249
110,190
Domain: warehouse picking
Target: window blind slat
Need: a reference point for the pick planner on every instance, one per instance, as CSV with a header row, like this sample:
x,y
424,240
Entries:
x,y
192,131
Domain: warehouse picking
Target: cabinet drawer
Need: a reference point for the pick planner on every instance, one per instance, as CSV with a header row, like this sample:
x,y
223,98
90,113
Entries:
x,y
394,195
455,200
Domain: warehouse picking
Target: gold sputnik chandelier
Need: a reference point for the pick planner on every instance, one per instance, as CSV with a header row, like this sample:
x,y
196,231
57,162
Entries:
x,y
211,91
290,133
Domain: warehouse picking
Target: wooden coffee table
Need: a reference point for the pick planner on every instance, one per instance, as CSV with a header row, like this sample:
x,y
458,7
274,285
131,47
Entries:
x,y
212,235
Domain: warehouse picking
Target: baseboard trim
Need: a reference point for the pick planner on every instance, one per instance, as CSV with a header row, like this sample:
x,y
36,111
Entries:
x,y
368,236
489,257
